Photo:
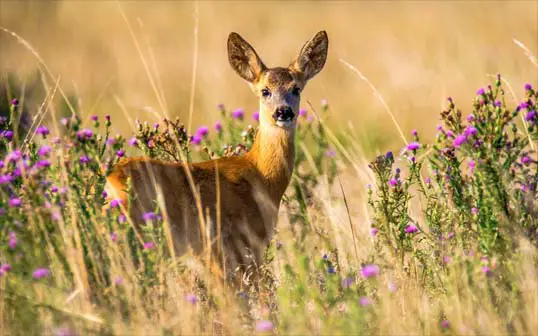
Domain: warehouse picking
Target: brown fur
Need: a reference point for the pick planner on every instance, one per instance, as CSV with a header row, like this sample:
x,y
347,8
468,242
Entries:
x,y
248,188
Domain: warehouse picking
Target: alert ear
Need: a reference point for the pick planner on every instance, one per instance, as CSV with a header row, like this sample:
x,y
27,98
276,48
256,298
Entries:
x,y
313,55
243,58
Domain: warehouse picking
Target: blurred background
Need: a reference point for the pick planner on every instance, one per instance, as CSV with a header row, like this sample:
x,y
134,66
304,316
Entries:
x,y
415,53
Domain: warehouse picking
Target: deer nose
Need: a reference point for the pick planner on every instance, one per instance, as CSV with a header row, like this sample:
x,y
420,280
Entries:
x,y
283,113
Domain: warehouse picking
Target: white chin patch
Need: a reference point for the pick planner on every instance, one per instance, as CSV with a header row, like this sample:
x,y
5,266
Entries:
x,y
284,123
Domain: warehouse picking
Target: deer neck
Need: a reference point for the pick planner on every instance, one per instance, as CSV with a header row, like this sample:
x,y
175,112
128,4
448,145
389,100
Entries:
x,y
273,154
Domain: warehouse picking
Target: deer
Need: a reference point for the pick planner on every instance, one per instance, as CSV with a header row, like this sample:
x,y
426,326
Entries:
x,y
230,202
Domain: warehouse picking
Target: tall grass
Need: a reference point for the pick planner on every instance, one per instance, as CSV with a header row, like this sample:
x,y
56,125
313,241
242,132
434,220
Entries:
x,y
445,242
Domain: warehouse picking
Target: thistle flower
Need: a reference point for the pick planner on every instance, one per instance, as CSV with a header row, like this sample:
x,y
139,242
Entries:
x,y
445,324
41,273
196,139
365,301
191,298
118,281
470,131
531,115
42,130
42,164
528,87
264,326
14,102
370,271
331,270
149,216
393,182
389,155
347,282
472,165
413,146
481,92
148,245
202,131
12,240
238,114
15,202
460,140
256,116
218,126
120,153
84,159
330,153
470,117
8,134
414,133
94,118
114,237
302,112
526,160
115,203
373,231
411,229
132,142
44,150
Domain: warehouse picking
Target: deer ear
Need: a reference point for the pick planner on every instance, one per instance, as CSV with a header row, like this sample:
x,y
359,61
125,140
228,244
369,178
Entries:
x,y
313,55
243,58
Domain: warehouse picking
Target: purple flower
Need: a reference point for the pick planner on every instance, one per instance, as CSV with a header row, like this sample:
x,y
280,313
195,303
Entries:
x,y
7,134
472,165
191,298
202,131
218,126
331,270
470,117
389,155
526,160
5,179
470,131
115,203
474,210
122,218
486,270
393,182
365,301
5,268
64,121
42,130
330,153
148,245
107,117
14,156
84,159
238,114
481,92
149,216
196,139
94,118
118,281
445,324
14,102
41,273
498,103
12,240
414,132
411,229
523,105
528,87
220,107
531,115
256,116
373,231
413,146
446,260
460,139
302,112
347,282
156,126
132,142
450,235
120,153
15,202
111,141
43,164
264,326
370,271
428,180
44,150
114,237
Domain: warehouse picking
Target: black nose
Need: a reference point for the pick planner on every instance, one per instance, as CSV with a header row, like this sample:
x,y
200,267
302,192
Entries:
x,y
283,113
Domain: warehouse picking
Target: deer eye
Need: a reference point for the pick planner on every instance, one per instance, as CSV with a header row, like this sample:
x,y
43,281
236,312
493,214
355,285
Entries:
x,y
266,93
296,91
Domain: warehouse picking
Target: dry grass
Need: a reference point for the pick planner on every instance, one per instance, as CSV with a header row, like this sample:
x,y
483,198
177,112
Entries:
x,y
415,53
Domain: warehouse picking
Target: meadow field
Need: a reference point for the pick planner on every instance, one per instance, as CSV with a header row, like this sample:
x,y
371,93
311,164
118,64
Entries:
x,y
413,208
